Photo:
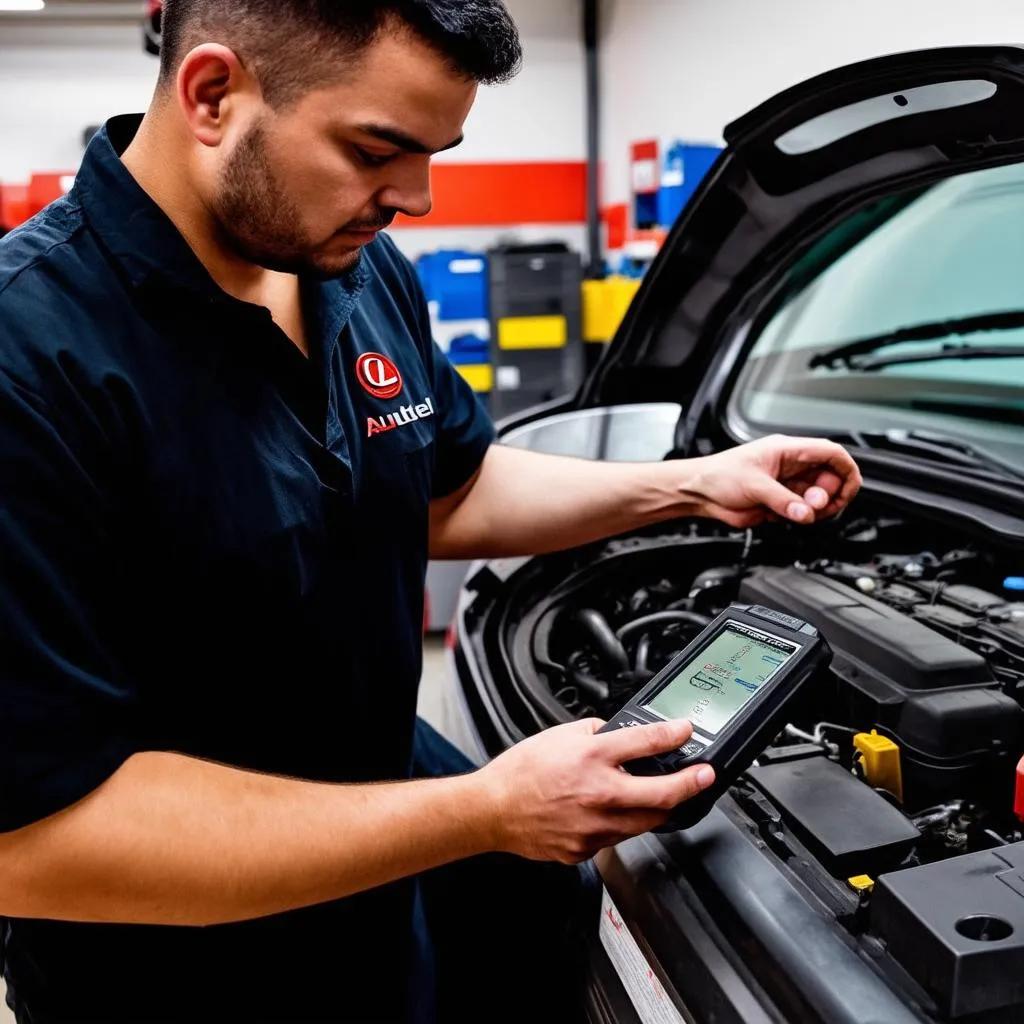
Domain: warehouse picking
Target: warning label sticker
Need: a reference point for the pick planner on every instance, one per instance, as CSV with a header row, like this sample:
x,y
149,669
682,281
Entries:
x,y
645,991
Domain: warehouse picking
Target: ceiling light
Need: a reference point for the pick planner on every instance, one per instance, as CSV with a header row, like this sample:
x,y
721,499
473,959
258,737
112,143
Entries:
x,y
21,5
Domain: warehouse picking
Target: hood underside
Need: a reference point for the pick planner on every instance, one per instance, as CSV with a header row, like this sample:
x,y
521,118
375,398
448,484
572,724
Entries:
x,y
793,168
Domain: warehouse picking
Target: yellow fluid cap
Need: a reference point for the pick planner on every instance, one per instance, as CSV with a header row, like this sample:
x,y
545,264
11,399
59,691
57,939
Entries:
x,y
881,760
862,883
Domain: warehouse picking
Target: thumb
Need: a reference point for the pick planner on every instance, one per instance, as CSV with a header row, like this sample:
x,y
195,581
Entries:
x,y
781,500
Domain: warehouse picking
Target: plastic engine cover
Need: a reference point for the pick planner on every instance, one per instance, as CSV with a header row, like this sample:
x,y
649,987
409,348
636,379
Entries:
x,y
844,823
937,699
957,927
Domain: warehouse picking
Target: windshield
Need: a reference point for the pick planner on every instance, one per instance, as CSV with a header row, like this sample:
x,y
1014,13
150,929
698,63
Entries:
x,y
949,252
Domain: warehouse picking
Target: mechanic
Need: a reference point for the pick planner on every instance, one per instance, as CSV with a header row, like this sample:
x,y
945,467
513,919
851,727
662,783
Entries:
x,y
230,448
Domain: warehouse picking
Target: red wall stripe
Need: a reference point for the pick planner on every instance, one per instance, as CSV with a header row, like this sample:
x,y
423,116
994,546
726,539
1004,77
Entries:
x,y
43,189
14,208
480,195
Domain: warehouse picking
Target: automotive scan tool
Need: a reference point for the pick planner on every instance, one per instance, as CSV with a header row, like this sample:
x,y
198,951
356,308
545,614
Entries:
x,y
736,683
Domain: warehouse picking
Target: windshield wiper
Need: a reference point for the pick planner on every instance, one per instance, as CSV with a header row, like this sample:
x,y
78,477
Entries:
x,y
944,351
849,353
938,446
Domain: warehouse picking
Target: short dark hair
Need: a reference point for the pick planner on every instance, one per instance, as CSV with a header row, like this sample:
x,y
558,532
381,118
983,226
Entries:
x,y
289,43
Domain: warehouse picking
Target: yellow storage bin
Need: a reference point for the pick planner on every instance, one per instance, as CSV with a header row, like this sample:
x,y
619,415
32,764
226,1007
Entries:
x,y
479,376
605,304
533,332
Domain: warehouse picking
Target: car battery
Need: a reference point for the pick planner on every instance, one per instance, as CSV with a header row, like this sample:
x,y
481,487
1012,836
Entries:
x,y
536,314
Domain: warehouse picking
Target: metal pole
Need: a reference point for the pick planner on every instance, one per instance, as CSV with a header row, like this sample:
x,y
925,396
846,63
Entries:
x,y
594,267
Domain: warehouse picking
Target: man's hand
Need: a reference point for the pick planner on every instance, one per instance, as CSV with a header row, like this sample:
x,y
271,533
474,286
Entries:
x,y
562,795
801,479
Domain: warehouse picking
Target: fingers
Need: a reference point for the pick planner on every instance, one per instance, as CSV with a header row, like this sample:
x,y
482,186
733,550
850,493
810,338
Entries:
x,y
829,482
818,498
842,465
825,487
663,792
643,740
778,498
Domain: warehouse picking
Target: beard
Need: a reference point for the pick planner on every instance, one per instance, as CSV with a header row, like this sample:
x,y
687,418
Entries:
x,y
260,223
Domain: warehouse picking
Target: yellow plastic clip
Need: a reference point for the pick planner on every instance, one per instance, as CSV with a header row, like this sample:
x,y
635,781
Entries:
x,y
862,883
881,760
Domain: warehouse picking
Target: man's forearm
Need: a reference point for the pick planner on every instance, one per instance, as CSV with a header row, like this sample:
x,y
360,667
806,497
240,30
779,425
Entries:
x,y
173,840
526,503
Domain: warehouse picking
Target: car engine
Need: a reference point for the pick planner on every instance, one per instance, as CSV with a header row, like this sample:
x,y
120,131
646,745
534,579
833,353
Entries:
x,y
902,760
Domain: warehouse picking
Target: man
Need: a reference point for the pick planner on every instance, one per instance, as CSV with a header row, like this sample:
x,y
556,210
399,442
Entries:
x,y
214,563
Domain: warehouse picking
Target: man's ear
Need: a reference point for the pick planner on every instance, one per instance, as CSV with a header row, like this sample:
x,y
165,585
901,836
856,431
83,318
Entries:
x,y
212,83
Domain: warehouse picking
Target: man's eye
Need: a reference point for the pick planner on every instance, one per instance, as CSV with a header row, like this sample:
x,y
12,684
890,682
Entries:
x,y
373,159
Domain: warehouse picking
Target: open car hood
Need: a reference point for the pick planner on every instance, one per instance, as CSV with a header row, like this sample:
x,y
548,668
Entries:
x,y
793,168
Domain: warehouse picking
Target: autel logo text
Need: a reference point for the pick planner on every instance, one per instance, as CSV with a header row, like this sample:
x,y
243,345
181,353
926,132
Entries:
x,y
405,415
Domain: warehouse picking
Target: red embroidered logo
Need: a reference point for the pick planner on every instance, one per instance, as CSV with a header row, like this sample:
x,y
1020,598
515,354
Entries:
x,y
378,375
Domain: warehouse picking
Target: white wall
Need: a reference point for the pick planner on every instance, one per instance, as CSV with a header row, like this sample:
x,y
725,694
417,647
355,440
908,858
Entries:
x,y
685,68
541,115
55,81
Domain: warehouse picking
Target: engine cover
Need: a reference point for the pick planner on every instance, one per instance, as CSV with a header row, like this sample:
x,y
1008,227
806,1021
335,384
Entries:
x,y
959,733
967,946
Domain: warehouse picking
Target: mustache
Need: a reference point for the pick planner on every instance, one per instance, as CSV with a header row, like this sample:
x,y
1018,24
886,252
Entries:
x,y
381,222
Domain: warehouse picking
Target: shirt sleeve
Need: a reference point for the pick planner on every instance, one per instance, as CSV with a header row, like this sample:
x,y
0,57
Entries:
x,y
65,709
465,430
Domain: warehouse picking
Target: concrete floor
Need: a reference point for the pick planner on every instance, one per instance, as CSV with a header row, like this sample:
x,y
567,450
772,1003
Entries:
x,y
434,669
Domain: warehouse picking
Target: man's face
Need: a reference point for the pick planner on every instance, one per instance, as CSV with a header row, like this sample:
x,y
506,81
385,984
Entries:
x,y
304,188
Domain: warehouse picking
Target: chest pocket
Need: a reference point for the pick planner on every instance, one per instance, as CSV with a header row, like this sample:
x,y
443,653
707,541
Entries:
x,y
401,462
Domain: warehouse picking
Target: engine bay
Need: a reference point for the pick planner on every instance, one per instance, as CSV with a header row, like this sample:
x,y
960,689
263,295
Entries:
x,y
902,761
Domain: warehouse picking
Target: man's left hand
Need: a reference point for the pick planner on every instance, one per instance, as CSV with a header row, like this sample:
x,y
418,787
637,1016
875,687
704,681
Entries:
x,y
799,479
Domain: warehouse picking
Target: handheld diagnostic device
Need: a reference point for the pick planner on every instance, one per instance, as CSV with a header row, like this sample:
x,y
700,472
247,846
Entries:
x,y
736,683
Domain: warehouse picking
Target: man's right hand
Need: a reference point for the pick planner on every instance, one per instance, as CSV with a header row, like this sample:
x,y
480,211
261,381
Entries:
x,y
562,795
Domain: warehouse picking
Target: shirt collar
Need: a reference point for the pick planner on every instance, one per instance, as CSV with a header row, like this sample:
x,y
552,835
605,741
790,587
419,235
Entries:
x,y
144,240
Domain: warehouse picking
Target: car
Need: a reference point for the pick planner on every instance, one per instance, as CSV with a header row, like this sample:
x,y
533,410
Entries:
x,y
852,267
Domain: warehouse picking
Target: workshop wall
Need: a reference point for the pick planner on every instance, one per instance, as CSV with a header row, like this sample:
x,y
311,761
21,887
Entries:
x,y
538,117
684,68
57,80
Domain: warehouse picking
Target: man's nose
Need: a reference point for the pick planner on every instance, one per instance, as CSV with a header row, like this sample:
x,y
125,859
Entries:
x,y
409,192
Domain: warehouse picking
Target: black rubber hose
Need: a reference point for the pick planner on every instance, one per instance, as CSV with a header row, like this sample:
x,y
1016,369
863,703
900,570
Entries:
x,y
596,689
608,645
643,651
661,618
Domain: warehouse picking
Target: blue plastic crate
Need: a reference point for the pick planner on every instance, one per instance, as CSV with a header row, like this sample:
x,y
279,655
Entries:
x,y
469,350
457,280
686,165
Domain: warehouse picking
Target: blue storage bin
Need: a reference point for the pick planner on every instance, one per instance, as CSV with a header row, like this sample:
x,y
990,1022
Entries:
x,y
685,167
469,350
457,281
471,356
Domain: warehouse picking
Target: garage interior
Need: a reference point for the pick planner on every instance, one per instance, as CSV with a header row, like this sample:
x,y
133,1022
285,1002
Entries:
x,y
618,114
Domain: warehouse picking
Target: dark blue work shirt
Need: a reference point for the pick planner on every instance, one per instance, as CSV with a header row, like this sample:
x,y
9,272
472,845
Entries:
x,y
215,546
